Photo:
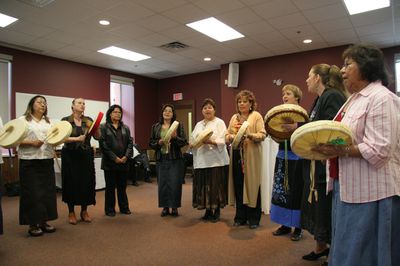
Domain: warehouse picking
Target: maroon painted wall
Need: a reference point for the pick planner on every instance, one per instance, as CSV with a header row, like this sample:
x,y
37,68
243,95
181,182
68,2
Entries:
x,y
195,87
33,73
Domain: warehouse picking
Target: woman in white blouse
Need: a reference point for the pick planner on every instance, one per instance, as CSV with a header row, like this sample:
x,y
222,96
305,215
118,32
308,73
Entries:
x,y
210,163
36,171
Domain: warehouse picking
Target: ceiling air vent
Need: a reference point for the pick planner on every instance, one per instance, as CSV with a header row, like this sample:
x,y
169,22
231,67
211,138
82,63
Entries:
x,y
166,73
37,3
174,47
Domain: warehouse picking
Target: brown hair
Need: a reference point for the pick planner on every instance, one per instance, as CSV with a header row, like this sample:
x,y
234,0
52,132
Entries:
x,y
250,97
331,77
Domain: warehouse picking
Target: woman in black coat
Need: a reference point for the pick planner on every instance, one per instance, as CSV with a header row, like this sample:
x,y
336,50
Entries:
x,y
116,146
170,166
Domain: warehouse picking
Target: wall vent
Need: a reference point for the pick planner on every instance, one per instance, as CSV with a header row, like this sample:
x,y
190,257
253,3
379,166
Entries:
x,y
166,73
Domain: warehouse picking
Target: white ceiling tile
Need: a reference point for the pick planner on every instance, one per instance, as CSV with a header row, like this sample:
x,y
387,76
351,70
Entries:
x,y
301,31
255,29
157,23
333,25
161,6
186,13
246,16
156,40
128,11
372,17
383,27
131,30
47,44
31,28
272,36
325,13
14,37
313,4
275,8
218,7
288,21
347,34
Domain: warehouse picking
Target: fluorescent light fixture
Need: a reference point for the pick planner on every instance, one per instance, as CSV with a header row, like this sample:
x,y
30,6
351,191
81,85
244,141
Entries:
x,y
215,29
357,6
207,59
104,22
307,41
6,20
123,53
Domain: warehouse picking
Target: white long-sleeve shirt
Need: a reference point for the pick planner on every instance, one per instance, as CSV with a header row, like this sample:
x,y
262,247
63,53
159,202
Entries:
x,y
208,155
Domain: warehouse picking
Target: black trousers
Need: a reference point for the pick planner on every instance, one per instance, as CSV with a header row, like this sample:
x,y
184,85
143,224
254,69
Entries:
x,y
244,213
115,179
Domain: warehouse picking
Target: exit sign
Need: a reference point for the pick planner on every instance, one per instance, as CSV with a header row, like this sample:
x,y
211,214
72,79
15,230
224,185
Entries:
x,y
177,96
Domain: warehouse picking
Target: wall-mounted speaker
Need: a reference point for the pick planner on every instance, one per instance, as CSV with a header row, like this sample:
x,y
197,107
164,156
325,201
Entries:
x,y
233,75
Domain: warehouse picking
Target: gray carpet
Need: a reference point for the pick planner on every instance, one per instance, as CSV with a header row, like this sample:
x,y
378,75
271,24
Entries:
x,y
145,238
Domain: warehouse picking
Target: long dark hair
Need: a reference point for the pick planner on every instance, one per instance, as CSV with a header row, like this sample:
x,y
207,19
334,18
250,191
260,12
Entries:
x,y
29,109
110,110
173,113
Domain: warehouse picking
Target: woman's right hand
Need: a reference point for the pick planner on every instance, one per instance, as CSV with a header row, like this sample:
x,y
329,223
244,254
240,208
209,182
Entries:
x,y
161,142
81,138
37,143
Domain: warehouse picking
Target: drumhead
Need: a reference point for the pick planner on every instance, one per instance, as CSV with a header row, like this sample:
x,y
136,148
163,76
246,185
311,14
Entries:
x,y
319,132
95,125
203,136
277,115
13,133
238,138
58,133
171,129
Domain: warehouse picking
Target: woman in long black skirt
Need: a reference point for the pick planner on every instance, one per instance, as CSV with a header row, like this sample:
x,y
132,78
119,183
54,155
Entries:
x,y
77,168
36,171
170,167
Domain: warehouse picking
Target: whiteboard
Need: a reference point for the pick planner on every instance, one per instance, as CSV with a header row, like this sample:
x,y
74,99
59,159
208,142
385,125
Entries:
x,y
59,107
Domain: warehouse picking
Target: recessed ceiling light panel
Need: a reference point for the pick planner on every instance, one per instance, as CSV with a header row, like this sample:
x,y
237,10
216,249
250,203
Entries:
x,y
207,59
215,29
123,53
6,20
357,6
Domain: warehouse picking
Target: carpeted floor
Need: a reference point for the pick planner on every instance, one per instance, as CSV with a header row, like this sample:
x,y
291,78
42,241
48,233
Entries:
x,y
145,238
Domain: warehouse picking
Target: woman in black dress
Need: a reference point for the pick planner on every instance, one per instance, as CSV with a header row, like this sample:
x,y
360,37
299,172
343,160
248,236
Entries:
x,y
326,82
116,146
36,171
77,168
170,167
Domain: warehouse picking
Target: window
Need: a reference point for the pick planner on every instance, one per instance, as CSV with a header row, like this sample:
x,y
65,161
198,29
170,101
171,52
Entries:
x,y
397,69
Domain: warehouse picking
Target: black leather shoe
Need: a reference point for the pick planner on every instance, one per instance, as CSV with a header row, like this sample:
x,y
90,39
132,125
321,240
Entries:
x,y
47,228
165,212
147,180
283,230
237,224
296,235
253,226
136,184
35,230
215,216
127,212
206,215
111,213
314,256
174,212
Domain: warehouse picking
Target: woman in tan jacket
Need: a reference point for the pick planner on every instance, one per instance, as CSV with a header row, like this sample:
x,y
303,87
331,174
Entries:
x,y
245,161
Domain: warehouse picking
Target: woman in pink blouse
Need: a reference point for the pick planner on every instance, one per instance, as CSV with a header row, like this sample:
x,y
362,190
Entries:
x,y
366,180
